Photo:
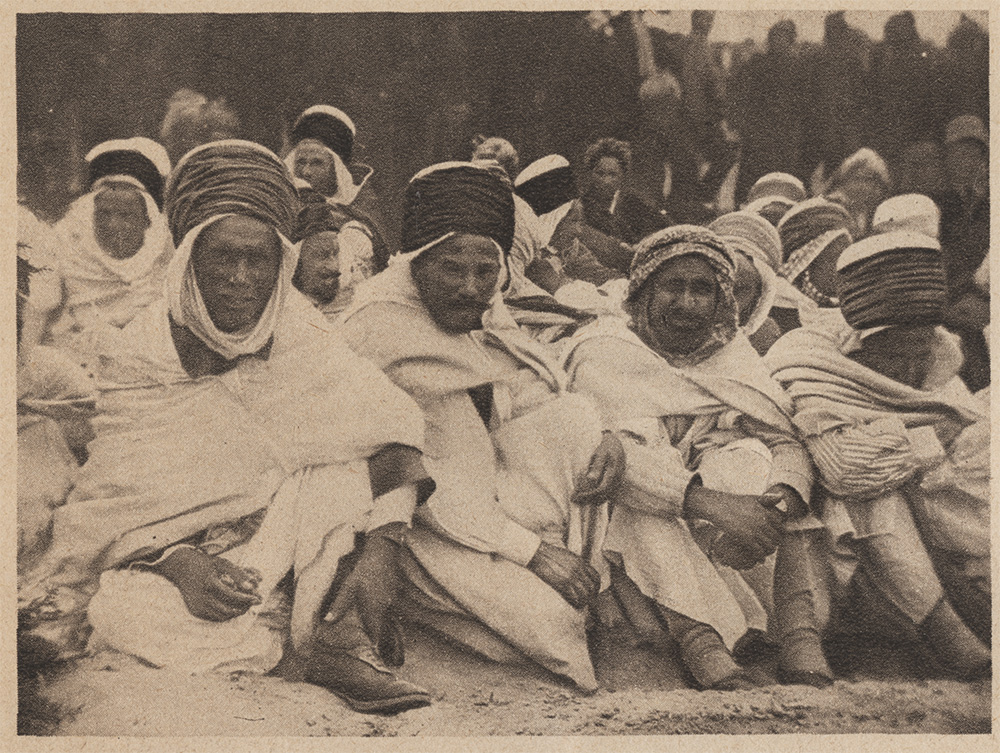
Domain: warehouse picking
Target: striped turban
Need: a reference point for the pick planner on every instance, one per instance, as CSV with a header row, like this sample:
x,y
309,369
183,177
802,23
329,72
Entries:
x,y
751,234
230,177
458,197
546,184
655,250
809,229
892,279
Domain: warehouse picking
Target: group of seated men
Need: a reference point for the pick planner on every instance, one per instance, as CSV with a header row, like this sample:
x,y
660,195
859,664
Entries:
x,y
236,444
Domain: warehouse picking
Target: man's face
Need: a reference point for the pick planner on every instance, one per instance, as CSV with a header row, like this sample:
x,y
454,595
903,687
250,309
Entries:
x,y
236,262
966,164
315,164
456,281
606,178
747,286
682,303
499,150
904,354
318,275
120,221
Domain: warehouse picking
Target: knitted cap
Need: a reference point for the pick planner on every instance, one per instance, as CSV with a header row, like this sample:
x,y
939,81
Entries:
x,y
911,211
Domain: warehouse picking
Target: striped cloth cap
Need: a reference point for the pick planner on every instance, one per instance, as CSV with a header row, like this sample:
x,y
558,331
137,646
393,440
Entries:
x,y
750,233
809,219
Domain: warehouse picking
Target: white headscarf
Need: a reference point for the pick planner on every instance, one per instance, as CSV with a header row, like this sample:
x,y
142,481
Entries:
x,y
187,307
347,189
77,231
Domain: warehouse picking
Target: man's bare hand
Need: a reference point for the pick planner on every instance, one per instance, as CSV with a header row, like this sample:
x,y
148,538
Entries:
x,y
213,588
567,573
751,530
604,473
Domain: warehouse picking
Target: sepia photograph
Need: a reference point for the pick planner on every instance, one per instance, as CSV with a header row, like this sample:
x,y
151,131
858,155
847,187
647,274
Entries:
x,y
501,374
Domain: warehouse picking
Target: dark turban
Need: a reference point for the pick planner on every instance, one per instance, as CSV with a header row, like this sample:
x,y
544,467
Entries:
x,y
315,216
329,126
128,163
230,177
460,197
892,279
546,184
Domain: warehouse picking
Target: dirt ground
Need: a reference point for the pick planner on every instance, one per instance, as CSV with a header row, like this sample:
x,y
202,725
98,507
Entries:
x,y
643,694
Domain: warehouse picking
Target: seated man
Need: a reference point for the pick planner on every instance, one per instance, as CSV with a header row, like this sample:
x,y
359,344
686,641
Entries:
x,y
110,251
528,276
579,252
243,452
505,543
322,148
902,450
326,276
608,205
813,235
55,401
758,254
710,453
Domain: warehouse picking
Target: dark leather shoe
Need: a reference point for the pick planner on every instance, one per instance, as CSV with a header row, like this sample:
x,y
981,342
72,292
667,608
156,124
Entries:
x,y
361,680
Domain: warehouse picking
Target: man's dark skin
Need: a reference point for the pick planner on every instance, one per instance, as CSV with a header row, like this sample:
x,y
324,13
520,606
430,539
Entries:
x,y
456,281
236,262
681,314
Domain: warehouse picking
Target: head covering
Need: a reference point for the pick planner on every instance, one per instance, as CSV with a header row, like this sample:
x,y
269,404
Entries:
x,y
143,165
334,131
966,127
315,216
329,126
892,279
777,184
913,211
458,197
771,208
212,182
137,160
546,184
864,164
230,177
752,234
807,230
656,250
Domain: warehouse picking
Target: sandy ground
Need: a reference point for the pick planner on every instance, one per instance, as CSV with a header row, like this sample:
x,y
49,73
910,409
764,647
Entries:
x,y
644,694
